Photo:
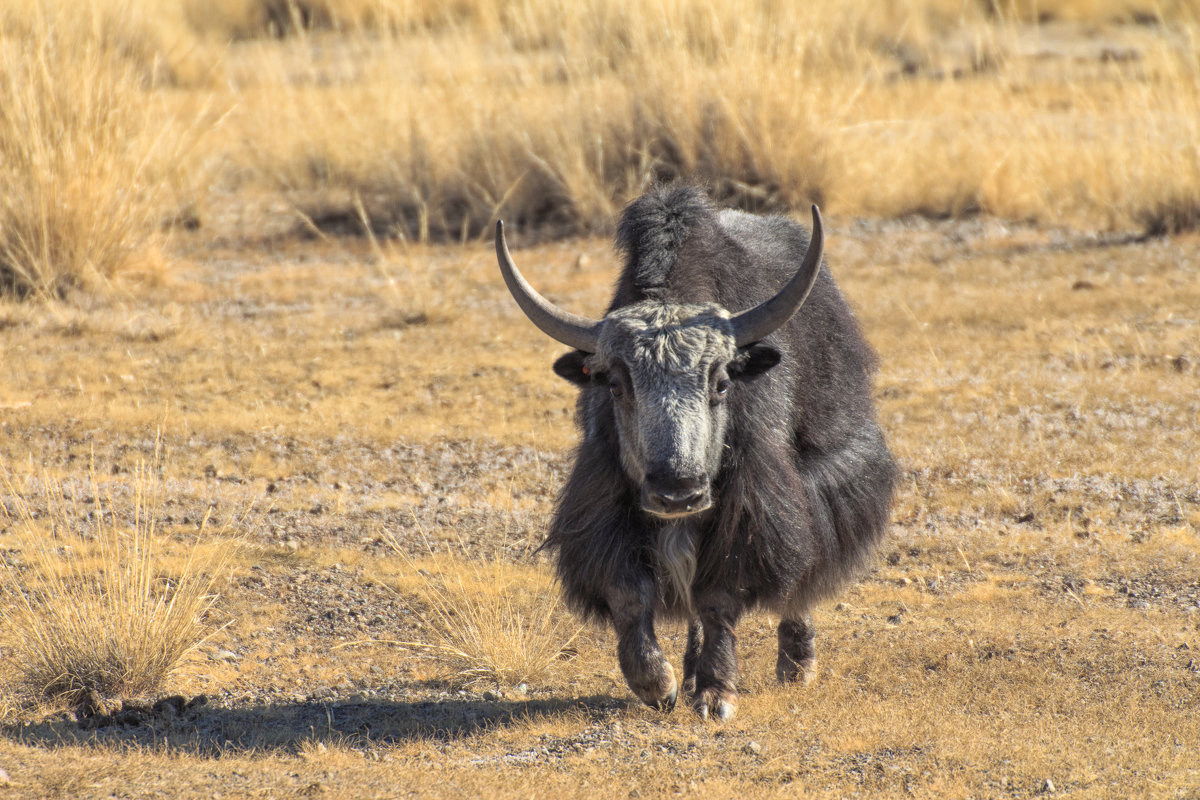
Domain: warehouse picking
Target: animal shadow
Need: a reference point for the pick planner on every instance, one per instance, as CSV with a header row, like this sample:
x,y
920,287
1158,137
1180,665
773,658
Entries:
x,y
205,729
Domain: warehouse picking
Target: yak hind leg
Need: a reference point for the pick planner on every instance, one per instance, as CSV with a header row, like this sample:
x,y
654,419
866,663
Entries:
x,y
646,669
691,656
797,662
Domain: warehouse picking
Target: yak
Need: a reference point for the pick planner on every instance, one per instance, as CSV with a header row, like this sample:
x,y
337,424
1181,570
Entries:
x,y
730,456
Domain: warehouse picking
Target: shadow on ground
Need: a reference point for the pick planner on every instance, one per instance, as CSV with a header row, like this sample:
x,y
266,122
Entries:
x,y
215,731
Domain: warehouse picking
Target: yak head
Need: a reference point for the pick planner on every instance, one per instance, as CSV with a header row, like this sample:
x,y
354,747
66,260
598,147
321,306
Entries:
x,y
670,369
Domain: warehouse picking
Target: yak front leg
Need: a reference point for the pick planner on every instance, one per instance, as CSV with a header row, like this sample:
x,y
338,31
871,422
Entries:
x,y
717,666
646,669
691,656
797,657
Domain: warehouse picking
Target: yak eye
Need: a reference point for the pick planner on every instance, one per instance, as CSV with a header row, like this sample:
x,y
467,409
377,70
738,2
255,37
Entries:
x,y
615,388
722,387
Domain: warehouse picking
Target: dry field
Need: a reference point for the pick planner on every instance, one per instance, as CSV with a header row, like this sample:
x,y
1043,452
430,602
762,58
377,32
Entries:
x,y
366,429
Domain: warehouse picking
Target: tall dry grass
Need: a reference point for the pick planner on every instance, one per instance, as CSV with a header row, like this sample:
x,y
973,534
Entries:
x,y
87,151
438,118
553,115
93,601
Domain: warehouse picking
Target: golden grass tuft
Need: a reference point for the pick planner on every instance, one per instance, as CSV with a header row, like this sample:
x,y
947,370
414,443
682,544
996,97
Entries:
x,y
82,151
94,605
489,624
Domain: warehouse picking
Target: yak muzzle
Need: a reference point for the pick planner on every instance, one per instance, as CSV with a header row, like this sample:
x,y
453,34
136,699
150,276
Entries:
x,y
675,497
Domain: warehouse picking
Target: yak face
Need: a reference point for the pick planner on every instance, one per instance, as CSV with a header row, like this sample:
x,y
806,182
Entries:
x,y
671,370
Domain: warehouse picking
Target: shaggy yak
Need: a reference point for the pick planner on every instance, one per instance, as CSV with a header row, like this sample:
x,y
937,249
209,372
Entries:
x,y
730,456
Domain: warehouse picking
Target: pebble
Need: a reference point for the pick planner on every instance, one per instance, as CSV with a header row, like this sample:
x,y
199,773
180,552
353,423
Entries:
x,y
4,779
223,655
754,748
1048,786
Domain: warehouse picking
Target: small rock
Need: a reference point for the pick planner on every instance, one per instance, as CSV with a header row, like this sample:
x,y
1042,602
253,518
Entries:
x,y
522,688
91,704
4,779
292,544
491,697
754,748
223,655
1047,786
169,708
137,706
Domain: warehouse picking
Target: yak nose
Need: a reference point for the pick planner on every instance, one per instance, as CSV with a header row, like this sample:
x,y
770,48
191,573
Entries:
x,y
673,496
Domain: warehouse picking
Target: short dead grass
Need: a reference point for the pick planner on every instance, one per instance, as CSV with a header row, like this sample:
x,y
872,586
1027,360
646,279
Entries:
x,y
1032,616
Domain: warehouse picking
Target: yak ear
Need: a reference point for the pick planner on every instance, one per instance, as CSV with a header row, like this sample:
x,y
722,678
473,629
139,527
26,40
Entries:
x,y
754,360
573,367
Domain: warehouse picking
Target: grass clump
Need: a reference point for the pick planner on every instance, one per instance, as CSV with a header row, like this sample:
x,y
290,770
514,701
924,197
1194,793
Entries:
x,y
94,603
490,625
77,147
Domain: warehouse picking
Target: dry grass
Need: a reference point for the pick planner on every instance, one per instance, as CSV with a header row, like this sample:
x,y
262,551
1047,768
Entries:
x,y
93,603
489,624
553,117
1033,614
84,150
438,118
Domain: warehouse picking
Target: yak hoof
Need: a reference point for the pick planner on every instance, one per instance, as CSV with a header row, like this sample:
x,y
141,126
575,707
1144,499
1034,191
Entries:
x,y
659,691
722,706
667,704
788,671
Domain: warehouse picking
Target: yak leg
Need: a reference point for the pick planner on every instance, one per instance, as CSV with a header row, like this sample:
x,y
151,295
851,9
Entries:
x,y
717,666
797,658
691,656
646,670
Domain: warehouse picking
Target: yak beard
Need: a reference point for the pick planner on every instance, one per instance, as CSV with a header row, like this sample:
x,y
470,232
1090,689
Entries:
x,y
677,560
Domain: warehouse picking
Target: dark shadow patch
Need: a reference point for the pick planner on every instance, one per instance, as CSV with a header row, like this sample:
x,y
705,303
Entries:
x,y
208,730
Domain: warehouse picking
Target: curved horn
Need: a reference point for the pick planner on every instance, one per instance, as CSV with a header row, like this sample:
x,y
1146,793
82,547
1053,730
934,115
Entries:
x,y
570,329
755,324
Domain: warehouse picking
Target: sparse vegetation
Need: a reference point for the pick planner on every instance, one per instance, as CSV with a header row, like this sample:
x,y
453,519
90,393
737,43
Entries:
x,y
490,625
92,605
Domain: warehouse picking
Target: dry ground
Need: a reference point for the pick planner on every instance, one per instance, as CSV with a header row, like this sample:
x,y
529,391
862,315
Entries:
x,y
360,416
1033,616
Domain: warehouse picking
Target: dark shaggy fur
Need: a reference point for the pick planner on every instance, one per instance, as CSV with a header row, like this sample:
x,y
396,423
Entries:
x,y
804,490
